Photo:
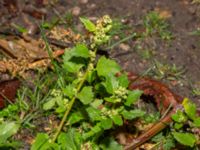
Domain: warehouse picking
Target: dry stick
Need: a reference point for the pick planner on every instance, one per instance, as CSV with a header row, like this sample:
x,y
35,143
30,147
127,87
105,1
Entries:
x,y
151,132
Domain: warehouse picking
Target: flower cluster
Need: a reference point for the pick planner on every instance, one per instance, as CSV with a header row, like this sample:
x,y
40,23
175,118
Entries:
x,y
103,26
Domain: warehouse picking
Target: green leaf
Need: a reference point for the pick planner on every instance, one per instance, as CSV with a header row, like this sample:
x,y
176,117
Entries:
x,y
40,140
190,108
81,50
7,129
69,65
20,28
68,140
196,122
92,75
178,126
72,66
110,144
111,83
132,114
169,144
133,96
123,80
94,114
46,25
112,99
106,66
187,139
88,24
75,117
117,119
69,90
67,55
96,103
158,137
86,95
49,104
106,123
94,130
179,117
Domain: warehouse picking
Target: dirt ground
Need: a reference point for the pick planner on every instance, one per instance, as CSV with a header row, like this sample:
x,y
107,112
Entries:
x,y
183,50
183,18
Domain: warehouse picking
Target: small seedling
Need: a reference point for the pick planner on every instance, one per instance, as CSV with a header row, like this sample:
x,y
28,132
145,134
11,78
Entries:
x,y
166,71
154,24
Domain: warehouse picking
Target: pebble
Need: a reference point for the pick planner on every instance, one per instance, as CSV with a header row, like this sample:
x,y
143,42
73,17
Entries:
x,y
83,1
76,11
124,47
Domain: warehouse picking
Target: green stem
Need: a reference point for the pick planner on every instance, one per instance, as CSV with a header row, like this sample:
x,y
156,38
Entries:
x,y
70,105
122,40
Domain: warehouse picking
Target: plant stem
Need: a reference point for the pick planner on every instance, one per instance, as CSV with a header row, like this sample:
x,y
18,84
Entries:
x,y
71,104
122,40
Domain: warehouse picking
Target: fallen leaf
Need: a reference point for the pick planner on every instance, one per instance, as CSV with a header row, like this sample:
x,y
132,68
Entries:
x,y
8,91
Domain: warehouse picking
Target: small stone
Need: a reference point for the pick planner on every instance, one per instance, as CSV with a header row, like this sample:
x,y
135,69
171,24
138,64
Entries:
x,y
83,1
124,47
92,6
76,11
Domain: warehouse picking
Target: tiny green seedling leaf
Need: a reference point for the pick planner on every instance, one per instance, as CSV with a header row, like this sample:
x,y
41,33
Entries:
x,y
106,66
133,96
187,139
190,108
86,95
179,117
88,24
196,122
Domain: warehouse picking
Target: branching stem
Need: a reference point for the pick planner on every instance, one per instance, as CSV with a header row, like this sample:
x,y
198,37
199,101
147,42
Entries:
x,y
71,103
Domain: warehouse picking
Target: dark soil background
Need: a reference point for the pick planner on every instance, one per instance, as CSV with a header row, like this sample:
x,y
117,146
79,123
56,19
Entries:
x,y
184,17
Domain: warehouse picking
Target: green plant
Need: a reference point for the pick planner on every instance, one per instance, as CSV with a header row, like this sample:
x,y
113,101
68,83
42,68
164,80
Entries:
x,y
92,99
186,124
184,129
166,71
196,32
154,24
